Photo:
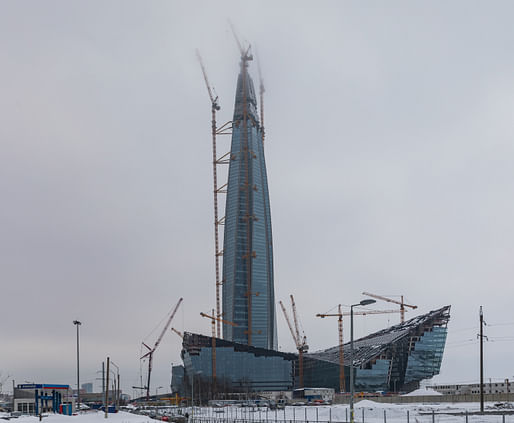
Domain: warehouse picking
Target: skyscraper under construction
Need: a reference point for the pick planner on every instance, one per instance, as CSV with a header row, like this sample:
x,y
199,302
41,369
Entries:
x,y
248,288
246,359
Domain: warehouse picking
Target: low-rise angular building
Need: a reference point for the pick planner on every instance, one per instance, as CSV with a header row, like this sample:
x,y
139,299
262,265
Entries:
x,y
395,359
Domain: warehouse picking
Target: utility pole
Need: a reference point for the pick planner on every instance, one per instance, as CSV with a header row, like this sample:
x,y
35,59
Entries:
x,y
107,390
77,324
103,377
481,360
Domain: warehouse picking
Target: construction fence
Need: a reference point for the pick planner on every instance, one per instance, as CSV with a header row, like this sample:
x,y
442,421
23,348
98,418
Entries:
x,y
398,399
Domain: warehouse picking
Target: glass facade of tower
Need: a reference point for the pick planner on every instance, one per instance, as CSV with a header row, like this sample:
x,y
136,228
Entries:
x,y
248,289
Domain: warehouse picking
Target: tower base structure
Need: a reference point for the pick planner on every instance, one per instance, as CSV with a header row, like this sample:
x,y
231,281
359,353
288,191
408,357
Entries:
x,y
394,359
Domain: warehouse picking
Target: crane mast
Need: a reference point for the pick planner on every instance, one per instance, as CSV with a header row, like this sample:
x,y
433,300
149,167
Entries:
x,y
340,314
225,129
215,319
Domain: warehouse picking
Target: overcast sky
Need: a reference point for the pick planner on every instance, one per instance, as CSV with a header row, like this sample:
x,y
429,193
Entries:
x,y
390,155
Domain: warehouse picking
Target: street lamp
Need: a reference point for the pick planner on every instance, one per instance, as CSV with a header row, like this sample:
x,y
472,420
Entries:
x,y
157,391
114,389
117,392
77,324
352,388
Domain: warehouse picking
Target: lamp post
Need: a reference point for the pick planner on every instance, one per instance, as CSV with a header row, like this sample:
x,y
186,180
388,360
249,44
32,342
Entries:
x,y
77,324
117,392
157,391
113,386
352,387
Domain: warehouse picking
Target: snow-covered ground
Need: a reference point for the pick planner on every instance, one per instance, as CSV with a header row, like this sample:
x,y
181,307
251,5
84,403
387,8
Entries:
x,y
373,413
89,417
421,392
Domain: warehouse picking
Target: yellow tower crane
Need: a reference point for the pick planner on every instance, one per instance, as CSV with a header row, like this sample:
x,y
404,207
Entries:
x,y
340,315
389,300
215,319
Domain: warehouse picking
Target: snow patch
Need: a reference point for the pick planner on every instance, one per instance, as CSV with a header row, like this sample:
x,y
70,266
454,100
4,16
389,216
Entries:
x,y
421,392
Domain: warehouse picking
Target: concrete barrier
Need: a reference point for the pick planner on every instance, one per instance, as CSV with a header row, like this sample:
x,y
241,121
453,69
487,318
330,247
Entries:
x,y
399,399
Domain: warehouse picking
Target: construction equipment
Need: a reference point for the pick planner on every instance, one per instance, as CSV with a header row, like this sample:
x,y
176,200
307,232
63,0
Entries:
x,y
301,343
215,319
178,332
366,312
389,300
225,129
340,315
150,352
176,400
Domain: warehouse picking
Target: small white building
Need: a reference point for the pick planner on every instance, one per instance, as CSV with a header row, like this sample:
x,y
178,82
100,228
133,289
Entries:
x,y
36,398
311,394
490,387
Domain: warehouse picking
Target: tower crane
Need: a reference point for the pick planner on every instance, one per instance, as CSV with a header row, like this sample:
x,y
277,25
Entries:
x,y
389,300
150,352
340,315
215,319
224,129
300,342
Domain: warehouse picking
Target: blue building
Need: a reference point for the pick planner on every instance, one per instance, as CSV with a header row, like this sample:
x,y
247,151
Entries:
x,y
248,289
239,367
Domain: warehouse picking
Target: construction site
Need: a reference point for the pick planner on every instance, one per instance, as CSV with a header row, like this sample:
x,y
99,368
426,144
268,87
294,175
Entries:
x,y
241,354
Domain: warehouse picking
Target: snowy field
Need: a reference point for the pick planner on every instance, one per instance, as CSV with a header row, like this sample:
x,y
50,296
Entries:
x,y
372,412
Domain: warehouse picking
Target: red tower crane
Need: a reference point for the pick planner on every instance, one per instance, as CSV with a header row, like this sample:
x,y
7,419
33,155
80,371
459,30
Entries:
x,y
150,352
300,342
